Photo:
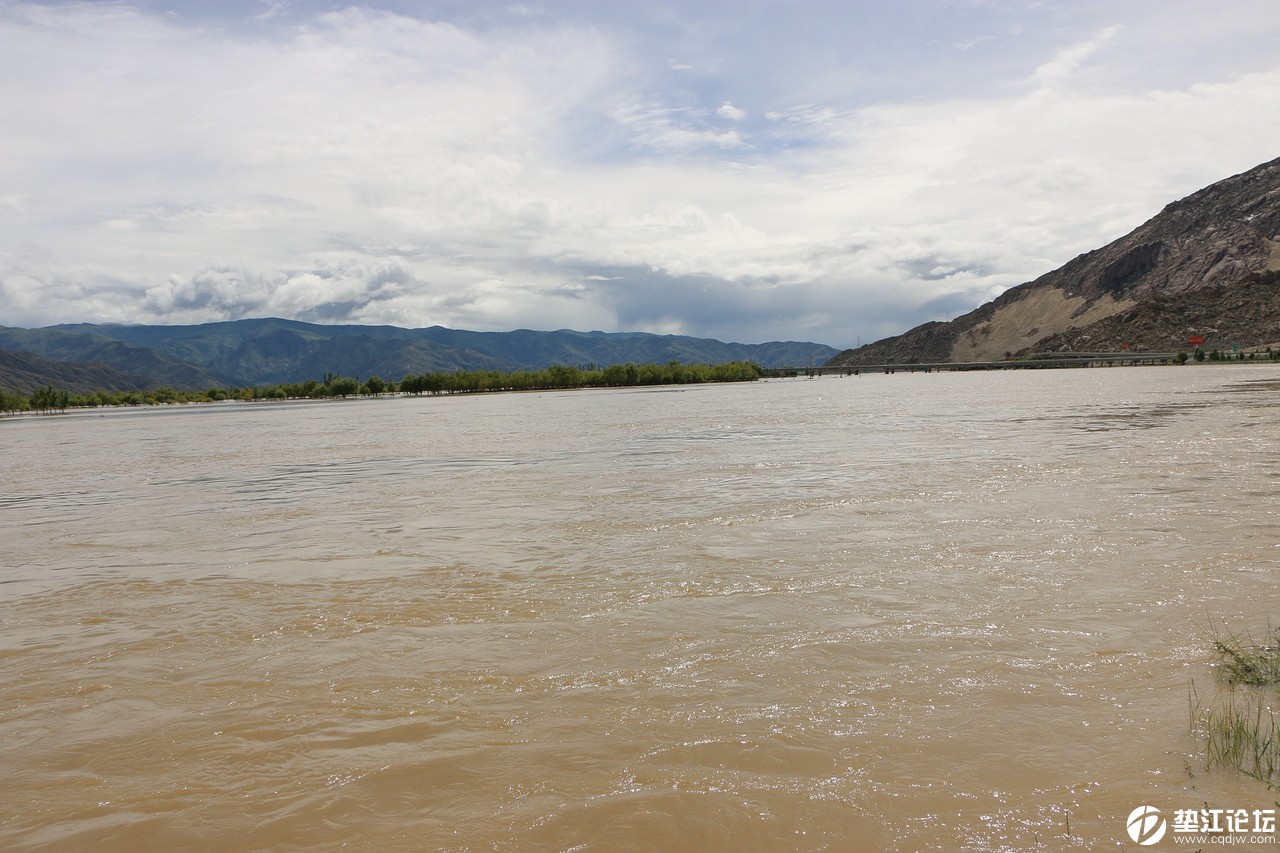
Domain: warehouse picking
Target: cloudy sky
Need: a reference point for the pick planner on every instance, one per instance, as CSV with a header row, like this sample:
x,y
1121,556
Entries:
x,y
757,170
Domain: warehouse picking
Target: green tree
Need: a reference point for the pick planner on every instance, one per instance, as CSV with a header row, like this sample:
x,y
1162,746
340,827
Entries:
x,y
343,386
12,403
433,382
49,399
560,376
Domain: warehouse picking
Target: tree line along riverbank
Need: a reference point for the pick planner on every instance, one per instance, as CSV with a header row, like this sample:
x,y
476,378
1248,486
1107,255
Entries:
x,y
50,399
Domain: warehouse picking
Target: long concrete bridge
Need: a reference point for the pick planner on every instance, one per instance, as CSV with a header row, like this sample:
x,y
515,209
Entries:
x,y
1037,361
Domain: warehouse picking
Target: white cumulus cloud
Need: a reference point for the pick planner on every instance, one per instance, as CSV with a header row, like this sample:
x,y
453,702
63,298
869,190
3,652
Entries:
x,y
729,111
555,168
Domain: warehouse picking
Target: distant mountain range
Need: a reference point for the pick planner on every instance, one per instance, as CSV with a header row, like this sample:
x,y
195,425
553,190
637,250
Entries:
x,y
26,371
85,356
1207,265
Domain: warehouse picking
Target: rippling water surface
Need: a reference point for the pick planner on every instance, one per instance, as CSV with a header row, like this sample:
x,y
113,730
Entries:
x,y
909,612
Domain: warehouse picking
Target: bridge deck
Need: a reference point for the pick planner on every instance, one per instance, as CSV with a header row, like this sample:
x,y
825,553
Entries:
x,y
1048,360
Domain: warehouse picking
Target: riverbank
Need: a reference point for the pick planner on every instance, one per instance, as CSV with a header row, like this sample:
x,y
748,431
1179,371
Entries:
x,y
48,400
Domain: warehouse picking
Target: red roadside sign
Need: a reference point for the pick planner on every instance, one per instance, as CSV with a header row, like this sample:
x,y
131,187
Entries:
x,y
1195,340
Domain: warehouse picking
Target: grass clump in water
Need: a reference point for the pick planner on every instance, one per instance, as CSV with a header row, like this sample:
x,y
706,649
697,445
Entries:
x,y
1241,731
1240,726
1245,662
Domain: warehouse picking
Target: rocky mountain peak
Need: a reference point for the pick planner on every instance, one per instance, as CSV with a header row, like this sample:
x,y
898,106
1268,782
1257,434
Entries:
x,y
1211,239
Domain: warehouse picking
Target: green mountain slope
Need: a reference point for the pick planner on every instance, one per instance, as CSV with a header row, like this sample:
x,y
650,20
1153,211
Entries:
x,y
270,350
153,366
26,371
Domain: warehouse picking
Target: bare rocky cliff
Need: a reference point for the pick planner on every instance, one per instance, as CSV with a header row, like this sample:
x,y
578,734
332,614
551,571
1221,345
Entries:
x,y
1211,240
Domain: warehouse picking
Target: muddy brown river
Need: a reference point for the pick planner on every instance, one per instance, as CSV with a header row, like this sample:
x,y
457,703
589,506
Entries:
x,y
958,611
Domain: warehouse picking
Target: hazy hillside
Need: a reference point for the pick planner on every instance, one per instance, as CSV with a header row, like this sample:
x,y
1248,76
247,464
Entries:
x,y
26,371
155,367
531,349
1214,239
268,351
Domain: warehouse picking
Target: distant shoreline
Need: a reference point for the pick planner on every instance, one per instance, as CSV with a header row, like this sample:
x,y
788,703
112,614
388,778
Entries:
x,y
51,400
237,397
